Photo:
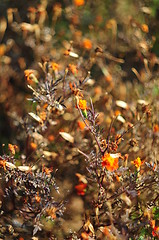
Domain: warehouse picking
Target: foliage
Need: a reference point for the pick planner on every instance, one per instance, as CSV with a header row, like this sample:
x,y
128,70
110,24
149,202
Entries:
x,y
79,120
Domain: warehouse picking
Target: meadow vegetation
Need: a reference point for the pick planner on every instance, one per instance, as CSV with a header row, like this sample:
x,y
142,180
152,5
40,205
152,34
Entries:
x,y
79,119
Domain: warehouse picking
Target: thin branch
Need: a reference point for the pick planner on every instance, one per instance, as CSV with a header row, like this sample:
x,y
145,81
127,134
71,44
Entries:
x,y
64,78
88,127
83,153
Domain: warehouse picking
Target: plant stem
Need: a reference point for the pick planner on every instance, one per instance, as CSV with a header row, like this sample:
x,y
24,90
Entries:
x,y
95,137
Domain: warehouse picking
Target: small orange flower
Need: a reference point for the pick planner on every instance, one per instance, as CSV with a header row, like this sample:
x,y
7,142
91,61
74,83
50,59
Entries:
x,y
51,212
32,9
117,178
138,193
110,162
106,230
3,164
137,162
81,188
2,49
152,222
30,77
117,113
47,170
87,44
51,138
81,125
67,52
155,128
37,198
98,90
12,148
108,78
145,28
55,66
82,104
28,72
45,105
85,236
33,146
73,68
75,90
154,166
79,3
42,115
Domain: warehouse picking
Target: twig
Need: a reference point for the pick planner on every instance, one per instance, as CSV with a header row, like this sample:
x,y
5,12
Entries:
x,y
88,127
83,153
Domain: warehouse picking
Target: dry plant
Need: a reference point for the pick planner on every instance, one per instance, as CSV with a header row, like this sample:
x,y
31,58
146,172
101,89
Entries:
x,y
80,99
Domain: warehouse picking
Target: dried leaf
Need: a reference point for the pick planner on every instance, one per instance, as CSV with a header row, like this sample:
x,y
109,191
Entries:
x,y
81,178
90,82
37,228
126,199
142,102
35,117
115,155
26,168
72,54
146,10
35,238
122,104
88,226
10,165
67,137
120,119
50,154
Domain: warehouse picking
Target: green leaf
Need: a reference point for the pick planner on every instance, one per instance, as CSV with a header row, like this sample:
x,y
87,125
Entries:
x,y
156,213
84,112
142,235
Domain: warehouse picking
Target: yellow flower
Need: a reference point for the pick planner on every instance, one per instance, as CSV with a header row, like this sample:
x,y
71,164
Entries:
x,y
137,162
87,44
82,104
